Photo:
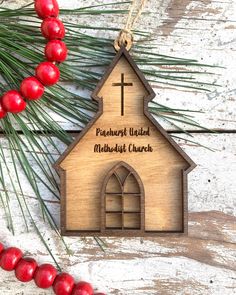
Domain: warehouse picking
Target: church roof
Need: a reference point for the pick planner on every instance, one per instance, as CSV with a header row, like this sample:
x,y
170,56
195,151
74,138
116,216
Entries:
x,y
151,94
124,53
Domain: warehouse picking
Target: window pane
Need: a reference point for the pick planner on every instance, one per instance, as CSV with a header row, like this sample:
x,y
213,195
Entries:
x,y
132,221
113,203
132,203
131,185
114,220
113,185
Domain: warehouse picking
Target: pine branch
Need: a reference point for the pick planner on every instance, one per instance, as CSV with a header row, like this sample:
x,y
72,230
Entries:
x,y
21,49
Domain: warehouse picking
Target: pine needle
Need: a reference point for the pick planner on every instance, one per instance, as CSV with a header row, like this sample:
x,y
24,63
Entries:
x,y
21,49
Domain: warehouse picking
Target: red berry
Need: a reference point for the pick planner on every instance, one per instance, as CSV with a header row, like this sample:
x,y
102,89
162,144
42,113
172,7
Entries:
x,y
46,8
2,115
25,269
63,284
1,247
13,102
47,73
56,50
31,88
9,258
45,275
53,28
83,288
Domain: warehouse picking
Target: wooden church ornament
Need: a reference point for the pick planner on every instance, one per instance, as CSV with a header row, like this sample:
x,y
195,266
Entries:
x,y
123,175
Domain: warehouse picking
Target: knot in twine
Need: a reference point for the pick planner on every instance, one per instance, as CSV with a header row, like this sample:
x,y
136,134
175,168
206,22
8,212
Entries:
x,y
125,37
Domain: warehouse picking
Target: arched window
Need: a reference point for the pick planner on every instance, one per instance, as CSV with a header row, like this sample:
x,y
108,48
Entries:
x,y
122,199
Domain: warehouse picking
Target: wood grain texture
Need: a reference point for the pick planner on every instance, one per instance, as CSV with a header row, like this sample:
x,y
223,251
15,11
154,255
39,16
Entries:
x,y
204,262
123,132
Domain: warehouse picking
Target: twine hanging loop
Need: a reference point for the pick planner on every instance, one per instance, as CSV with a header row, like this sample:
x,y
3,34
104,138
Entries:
x,y
125,37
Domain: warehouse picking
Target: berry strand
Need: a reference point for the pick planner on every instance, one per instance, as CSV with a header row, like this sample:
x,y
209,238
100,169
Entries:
x,y
46,73
14,101
44,275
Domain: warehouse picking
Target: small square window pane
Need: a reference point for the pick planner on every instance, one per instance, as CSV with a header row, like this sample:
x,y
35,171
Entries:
x,y
132,203
113,203
132,221
114,220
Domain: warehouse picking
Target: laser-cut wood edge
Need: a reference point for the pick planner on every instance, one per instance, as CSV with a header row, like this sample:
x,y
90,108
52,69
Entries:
x,y
150,96
62,172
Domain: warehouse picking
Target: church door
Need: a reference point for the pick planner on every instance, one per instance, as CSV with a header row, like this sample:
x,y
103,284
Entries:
x,y
122,200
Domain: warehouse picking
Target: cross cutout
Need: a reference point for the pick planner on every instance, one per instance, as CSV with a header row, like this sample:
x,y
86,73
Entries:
x,y
122,85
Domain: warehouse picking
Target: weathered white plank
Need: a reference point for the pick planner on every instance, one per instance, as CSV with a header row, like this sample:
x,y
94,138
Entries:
x,y
204,262
191,265
202,30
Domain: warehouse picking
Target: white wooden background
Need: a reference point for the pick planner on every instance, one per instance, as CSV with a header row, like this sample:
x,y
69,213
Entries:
x,y
205,261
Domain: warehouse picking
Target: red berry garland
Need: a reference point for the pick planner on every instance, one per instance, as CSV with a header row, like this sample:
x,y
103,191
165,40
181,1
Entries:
x,y
3,112
63,284
9,258
47,74
1,248
46,8
45,275
83,288
56,50
31,88
52,28
25,269
13,102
